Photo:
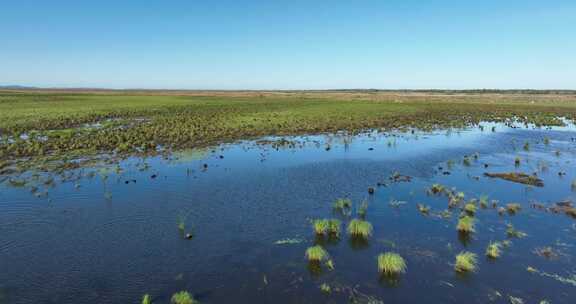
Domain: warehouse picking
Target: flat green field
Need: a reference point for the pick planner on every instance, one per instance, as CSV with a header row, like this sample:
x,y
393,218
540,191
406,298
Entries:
x,y
41,123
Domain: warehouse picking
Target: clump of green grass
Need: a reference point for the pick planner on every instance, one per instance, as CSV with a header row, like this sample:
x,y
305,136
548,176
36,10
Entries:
x,y
360,228
546,140
316,254
470,208
326,227
146,299
466,161
390,263
466,262
320,226
513,208
493,250
183,297
466,224
334,227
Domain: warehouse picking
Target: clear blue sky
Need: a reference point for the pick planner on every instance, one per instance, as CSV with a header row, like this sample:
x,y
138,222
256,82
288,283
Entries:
x,y
295,44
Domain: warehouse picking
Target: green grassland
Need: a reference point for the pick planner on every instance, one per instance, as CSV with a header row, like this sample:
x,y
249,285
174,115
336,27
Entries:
x,y
129,122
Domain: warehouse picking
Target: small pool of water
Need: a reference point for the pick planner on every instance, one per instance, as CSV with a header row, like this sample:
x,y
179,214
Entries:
x,y
110,234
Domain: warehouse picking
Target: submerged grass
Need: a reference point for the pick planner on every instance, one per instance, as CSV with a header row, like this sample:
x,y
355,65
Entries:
x,y
390,263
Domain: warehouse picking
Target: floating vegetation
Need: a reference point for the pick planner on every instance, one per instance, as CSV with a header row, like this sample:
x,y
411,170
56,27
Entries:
x,y
573,185
183,297
436,189
512,232
546,140
330,264
546,252
342,205
515,300
516,177
325,288
396,204
316,254
466,225
466,262
423,209
146,299
493,250
466,161
513,208
570,280
517,161
288,241
360,228
390,263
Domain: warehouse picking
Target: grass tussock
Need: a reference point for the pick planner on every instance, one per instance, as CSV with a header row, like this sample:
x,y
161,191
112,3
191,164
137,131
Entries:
x,y
146,299
466,262
183,297
360,228
320,226
316,254
513,208
466,224
493,250
470,208
390,263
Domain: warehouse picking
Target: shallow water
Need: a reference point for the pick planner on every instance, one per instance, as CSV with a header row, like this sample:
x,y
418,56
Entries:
x,y
100,239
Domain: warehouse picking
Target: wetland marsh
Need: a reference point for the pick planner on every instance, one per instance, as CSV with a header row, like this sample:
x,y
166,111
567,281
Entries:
x,y
287,198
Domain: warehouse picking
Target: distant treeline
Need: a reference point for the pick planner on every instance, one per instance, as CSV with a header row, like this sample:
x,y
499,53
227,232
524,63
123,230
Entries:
x,y
467,91
431,91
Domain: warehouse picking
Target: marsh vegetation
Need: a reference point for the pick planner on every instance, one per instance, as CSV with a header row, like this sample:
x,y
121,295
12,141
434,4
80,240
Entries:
x,y
113,184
